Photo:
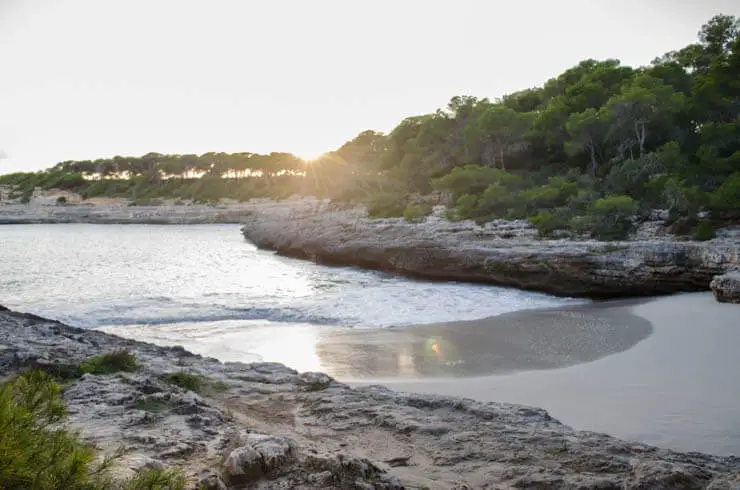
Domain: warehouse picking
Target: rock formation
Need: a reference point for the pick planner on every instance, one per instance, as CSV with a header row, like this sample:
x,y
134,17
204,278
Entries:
x,y
271,427
506,253
726,288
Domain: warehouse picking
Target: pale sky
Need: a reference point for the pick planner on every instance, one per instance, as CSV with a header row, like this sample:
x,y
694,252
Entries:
x,y
84,79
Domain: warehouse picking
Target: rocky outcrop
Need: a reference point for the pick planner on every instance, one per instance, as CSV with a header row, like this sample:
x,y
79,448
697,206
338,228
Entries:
x,y
271,427
726,288
502,252
190,214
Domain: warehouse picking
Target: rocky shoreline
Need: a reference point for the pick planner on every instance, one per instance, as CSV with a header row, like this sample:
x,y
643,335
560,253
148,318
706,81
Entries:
x,y
506,253
121,214
271,427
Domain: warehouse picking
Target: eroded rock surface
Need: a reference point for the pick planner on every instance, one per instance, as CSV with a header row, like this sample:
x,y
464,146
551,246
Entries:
x,y
501,252
726,288
273,427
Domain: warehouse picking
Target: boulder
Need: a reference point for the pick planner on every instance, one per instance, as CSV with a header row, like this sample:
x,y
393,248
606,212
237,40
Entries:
x,y
726,288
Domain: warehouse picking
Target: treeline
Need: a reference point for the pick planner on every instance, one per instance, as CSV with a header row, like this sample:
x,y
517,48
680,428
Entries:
x,y
586,152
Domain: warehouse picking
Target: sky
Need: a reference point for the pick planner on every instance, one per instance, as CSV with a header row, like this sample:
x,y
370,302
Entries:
x,y
85,79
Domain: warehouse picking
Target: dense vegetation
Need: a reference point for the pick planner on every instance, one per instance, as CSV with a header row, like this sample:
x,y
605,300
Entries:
x,y
593,147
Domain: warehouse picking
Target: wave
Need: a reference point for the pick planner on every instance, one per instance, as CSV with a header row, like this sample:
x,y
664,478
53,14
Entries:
x,y
277,315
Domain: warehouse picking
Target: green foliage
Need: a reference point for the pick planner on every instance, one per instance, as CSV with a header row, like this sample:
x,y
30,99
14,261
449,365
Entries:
x,y
34,452
466,207
546,223
110,363
152,479
474,179
415,213
61,200
38,452
666,136
726,199
386,205
195,382
704,231
611,217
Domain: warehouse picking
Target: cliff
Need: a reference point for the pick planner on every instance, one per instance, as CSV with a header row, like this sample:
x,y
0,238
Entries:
x,y
506,253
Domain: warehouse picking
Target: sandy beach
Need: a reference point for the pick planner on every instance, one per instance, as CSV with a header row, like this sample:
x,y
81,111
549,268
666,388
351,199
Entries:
x,y
660,370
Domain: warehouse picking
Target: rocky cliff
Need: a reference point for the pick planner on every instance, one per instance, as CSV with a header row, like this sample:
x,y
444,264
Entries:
x,y
504,253
271,427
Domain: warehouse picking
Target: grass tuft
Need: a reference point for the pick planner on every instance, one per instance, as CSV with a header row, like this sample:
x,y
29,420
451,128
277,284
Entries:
x,y
196,383
110,363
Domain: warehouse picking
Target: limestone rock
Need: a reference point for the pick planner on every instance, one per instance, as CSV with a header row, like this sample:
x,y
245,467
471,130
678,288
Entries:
x,y
726,288
506,253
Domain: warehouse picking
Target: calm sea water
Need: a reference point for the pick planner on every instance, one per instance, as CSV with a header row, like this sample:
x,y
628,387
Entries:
x,y
154,276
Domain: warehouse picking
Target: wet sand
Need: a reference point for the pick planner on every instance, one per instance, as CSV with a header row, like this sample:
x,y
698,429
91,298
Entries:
x,y
678,388
518,341
662,370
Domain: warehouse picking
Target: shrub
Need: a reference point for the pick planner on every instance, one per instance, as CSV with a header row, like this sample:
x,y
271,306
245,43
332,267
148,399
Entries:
x,y
195,382
474,179
34,453
37,451
704,231
61,200
495,202
556,193
546,223
415,213
612,217
466,206
726,199
386,205
110,363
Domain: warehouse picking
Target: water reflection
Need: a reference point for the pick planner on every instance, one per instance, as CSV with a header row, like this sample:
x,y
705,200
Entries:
x,y
542,339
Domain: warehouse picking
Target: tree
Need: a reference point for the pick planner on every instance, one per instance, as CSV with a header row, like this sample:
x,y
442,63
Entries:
x,y
587,131
643,103
500,130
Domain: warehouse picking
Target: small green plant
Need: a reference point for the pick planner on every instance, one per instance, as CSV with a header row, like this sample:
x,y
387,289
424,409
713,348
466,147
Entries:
x,y
415,213
704,231
152,479
150,405
110,363
186,381
61,200
195,382
546,223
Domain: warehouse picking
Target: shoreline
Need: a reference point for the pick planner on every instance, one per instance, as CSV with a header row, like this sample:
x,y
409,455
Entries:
x,y
503,253
669,380
319,432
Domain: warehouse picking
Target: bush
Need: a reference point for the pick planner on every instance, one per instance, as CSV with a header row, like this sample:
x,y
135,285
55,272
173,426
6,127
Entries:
x,y
474,179
386,205
726,199
466,206
195,382
61,200
36,451
110,363
704,231
546,223
612,217
555,194
415,213
495,202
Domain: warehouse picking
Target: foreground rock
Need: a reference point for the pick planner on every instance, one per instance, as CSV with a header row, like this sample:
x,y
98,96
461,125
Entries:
x,y
504,253
726,288
275,428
